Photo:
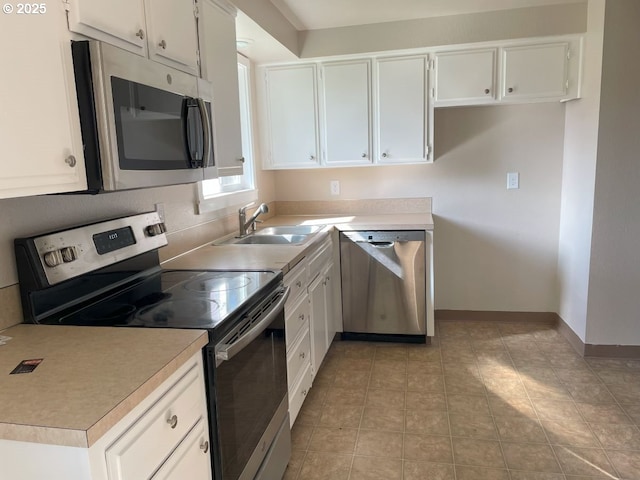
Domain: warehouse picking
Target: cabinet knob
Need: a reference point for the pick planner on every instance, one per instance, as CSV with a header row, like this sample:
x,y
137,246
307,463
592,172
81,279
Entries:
x,y
364,155
140,34
487,91
301,317
384,155
163,45
304,393
312,157
298,284
173,421
241,159
303,355
204,446
510,90
71,161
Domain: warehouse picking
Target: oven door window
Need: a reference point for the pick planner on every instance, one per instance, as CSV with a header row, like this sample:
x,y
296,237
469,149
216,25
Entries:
x,y
248,390
156,129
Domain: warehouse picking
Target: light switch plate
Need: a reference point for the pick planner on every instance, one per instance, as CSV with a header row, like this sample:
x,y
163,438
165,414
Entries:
x,y
335,187
513,180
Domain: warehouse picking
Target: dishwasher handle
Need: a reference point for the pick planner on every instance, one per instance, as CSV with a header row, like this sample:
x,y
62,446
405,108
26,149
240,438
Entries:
x,y
382,244
226,351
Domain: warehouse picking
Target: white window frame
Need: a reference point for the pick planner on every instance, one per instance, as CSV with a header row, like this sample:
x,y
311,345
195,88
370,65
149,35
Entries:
x,y
230,196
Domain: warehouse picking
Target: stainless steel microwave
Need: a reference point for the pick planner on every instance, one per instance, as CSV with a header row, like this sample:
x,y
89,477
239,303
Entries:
x,y
143,124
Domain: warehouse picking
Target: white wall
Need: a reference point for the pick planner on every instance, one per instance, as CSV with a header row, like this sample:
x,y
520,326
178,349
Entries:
x,y
614,301
494,249
578,180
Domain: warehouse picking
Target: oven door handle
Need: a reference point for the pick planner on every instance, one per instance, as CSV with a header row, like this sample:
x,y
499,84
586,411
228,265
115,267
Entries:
x,y
229,350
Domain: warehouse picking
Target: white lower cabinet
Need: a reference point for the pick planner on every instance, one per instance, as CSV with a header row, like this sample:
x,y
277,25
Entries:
x,y
166,436
310,322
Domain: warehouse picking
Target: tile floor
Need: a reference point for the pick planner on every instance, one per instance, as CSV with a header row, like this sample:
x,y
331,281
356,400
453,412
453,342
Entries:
x,y
498,401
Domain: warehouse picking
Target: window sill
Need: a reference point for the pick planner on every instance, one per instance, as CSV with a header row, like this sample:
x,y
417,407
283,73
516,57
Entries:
x,y
225,204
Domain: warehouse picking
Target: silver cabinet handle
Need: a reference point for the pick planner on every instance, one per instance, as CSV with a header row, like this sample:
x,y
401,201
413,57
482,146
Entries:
x,y
71,161
204,446
173,421
140,34
163,45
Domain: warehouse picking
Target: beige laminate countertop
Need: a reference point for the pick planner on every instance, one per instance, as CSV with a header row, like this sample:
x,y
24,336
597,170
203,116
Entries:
x,y
285,257
89,379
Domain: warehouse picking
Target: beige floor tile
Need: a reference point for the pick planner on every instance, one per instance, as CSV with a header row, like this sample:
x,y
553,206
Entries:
x,y
509,388
572,375
625,394
550,410
618,437
477,453
295,464
426,400
608,414
461,386
392,365
427,422
309,414
369,468
347,364
541,476
511,406
393,352
379,444
425,382
346,416
584,461
626,463
359,350
345,396
388,378
427,448
497,357
633,411
590,393
487,344
519,428
473,425
426,354
300,436
530,457
383,418
431,471
569,432
468,404
555,391
325,466
424,368
480,473
385,398
348,379
334,440
450,355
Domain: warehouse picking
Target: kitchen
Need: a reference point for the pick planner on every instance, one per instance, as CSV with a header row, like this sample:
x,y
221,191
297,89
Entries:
x,y
537,249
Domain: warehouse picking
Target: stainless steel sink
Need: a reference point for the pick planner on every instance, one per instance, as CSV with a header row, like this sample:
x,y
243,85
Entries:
x,y
289,230
269,240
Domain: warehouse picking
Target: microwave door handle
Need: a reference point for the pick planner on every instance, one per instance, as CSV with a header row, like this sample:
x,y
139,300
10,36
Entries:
x,y
185,130
227,351
207,132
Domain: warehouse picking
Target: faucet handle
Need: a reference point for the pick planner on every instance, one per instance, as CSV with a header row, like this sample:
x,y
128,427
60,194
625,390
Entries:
x,y
244,209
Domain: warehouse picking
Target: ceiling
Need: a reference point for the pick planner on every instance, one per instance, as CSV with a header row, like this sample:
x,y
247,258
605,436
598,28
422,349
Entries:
x,y
315,14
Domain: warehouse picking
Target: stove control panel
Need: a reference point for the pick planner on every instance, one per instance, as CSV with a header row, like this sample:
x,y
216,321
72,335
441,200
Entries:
x,y
70,253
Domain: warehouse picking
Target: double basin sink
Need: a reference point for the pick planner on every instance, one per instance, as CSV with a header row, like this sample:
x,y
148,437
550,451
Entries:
x,y
280,235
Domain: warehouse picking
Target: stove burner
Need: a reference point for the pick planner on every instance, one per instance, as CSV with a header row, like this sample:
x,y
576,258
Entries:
x,y
218,282
104,314
175,311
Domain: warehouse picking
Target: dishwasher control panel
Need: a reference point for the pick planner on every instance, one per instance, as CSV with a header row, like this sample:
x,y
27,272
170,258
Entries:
x,y
386,235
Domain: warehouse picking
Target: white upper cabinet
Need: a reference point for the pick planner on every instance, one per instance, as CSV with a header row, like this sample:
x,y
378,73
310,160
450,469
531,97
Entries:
x,y
220,67
40,142
535,71
467,77
403,118
120,22
173,40
291,117
164,30
346,112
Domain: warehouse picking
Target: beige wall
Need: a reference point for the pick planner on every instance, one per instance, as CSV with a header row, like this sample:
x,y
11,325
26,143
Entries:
x,y
578,180
614,302
448,30
494,249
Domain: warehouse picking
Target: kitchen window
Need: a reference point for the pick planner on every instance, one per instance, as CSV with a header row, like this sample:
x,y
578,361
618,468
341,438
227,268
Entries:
x,y
225,194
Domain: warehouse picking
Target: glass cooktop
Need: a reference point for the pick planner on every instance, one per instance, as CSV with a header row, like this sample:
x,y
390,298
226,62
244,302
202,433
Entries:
x,y
176,299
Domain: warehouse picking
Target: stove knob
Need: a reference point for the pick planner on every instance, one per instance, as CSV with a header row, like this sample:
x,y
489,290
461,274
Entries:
x,y
53,259
69,254
156,229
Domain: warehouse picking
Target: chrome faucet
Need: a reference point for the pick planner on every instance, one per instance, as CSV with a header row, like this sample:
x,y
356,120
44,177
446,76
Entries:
x,y
244,224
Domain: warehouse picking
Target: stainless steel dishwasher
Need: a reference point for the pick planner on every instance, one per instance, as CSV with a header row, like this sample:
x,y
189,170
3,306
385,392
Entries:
x,y
383,285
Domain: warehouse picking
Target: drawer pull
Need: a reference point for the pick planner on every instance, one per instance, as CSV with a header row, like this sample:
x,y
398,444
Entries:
x,y
298,284
302,355
204,447
304,393
301,317
173,421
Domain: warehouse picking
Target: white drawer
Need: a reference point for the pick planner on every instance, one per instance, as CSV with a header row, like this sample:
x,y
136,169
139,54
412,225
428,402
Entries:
x,y
296,318
297,280
151,439
298,357
191,460
322,256
298,394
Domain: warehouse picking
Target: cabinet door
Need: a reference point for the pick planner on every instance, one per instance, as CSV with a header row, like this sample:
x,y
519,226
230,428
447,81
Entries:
x,y
191,459
346,94
318,328
403,122
120,22
465,78
40,141
291,117
173,40
220,67
331,302
535,71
